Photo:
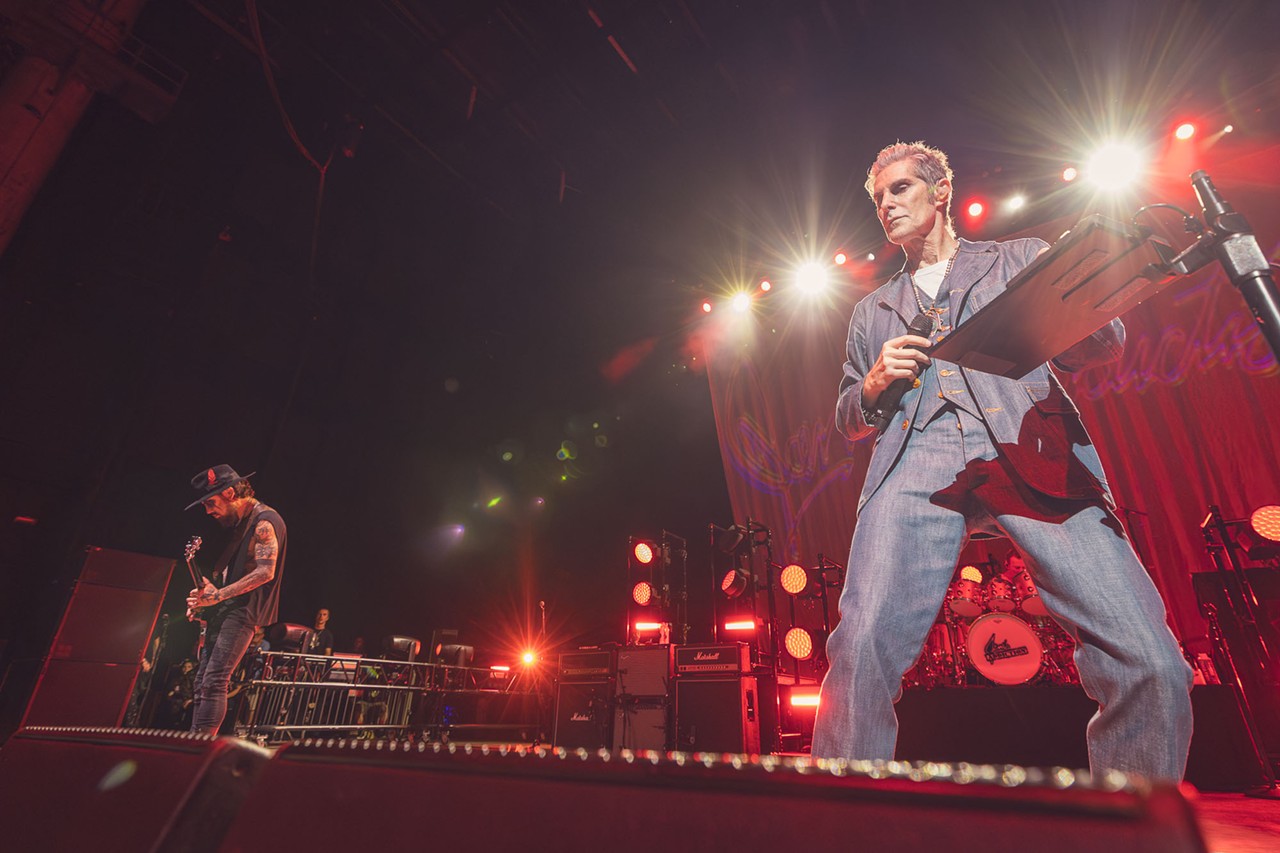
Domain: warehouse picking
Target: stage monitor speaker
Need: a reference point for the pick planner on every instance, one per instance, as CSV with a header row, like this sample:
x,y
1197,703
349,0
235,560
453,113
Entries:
x,y
638,724
358,795
113,789
718,714
584,715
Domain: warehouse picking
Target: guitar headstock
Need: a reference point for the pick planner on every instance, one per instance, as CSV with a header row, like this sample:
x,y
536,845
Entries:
x,y
193,545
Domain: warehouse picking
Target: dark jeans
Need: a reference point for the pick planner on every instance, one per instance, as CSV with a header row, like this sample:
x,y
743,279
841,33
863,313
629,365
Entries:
x,y
225,643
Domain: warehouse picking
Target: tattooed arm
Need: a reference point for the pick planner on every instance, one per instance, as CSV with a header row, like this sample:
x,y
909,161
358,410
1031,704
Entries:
x,y
264,549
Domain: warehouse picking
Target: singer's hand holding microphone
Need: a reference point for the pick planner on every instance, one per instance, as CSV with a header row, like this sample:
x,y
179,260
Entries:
x,y
899,363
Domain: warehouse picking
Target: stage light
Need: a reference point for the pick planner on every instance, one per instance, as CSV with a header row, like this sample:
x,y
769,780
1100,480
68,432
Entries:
x,y
841,258
1260,537
1114,166
793,579
1186,130
812,278
1229,128
740,625
871,256
802,697
1265,521
765,285
648,627
1070,173
499,667
644,553
740,303
642,593
734,583
706,308
975,209
971,573
1015,203
529,658
799,643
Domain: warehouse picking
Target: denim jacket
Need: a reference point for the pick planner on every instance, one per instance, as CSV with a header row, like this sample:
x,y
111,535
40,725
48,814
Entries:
x,y
1035,425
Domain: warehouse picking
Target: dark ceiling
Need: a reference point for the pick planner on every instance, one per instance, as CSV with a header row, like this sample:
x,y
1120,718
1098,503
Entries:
x,y
541,194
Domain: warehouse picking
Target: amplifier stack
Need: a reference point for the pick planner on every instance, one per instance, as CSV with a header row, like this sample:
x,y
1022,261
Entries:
x,y
698,698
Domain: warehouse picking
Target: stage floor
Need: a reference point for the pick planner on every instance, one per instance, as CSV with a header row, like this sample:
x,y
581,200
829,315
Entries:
x,y
1234,823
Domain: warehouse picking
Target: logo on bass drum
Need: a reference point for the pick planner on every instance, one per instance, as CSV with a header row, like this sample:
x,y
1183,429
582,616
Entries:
x,y
994,651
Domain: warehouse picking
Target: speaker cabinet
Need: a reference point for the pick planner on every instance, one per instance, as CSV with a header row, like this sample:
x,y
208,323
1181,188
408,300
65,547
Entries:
x,y
718,714
89,673
641,725
113,789
644,671
584,714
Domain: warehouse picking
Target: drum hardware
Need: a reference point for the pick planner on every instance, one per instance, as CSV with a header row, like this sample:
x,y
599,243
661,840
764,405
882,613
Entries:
x,y
1028,597
998,595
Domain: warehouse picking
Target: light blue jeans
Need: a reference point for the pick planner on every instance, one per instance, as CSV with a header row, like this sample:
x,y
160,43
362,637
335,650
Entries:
x,y
950,483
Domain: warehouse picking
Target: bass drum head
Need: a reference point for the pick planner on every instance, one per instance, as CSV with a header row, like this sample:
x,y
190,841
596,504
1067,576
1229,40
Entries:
x,y
1004,648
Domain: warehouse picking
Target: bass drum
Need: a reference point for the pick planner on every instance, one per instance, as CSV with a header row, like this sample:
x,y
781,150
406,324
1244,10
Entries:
x,y
1004,648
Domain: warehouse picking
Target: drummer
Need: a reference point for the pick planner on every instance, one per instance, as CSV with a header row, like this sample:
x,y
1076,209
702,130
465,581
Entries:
x,y
1014,565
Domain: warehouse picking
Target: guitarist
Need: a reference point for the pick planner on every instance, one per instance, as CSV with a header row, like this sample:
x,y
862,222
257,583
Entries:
x,y
243,592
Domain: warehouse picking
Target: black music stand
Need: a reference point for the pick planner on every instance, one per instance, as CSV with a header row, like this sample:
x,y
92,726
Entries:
x,y
1097,271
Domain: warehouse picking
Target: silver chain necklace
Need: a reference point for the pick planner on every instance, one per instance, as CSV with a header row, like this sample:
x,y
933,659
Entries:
x,y
933,310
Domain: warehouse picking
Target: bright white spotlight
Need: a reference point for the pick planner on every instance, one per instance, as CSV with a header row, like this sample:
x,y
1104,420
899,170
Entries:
x,y
1114,166
812,278
871,256
1186,130
1016,202
1229,128
840,258
741,303
1070,173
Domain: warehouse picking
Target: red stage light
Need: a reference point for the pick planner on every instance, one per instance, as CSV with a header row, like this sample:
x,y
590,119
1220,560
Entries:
x,y
642,593
975,209
528,658
1265,522
794,579
706,308
644,553
1186,130
804,698
734,583
644,627
498,667
798,643
740,625
841,258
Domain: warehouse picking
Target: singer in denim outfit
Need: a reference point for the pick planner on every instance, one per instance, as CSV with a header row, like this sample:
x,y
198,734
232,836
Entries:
x,y
967,452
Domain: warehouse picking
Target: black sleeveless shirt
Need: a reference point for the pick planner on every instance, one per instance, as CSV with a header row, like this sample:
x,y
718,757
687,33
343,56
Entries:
x,y
262,603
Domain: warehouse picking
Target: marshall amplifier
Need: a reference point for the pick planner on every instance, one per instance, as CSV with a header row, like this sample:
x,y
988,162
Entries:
x,y
586,665
584,715
715,660
644,671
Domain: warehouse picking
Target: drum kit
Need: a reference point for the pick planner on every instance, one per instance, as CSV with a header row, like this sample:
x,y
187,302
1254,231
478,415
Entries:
x,y
994,633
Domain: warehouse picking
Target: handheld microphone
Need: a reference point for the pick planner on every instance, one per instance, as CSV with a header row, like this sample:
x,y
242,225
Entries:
x,y
887,405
